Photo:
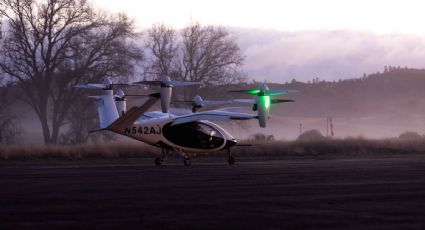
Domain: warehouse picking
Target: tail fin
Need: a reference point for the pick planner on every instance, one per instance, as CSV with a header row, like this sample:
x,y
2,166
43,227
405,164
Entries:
x,y
133,114
107,109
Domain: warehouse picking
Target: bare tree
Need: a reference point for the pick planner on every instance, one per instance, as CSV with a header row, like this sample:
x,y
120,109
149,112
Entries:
x,y
9,126
210,55
81,119
52,45
202,53
162,51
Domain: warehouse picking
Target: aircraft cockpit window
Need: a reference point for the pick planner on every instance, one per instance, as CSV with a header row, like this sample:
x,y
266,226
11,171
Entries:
x,y
205,136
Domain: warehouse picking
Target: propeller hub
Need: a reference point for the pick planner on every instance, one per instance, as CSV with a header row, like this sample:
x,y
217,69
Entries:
x,y
197,100
165,81
264,87
108,83
120,95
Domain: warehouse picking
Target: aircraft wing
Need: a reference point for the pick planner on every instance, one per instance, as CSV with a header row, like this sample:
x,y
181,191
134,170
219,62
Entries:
x,y
215,103
214,115
245,101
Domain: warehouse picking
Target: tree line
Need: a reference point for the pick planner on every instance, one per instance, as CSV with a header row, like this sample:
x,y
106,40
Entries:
x,y
49,46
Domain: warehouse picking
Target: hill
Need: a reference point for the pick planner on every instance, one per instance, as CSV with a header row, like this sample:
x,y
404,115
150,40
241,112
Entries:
x,y
374,106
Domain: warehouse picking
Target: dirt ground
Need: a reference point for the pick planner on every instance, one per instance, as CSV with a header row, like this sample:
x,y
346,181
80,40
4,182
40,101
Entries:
x,y
356,193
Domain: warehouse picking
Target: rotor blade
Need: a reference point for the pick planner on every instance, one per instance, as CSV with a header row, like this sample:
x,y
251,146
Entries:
x,y
249,91
183,83
275,92
151,83
91,86
275,101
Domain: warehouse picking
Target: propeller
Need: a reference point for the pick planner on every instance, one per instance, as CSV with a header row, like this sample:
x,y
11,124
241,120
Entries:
x,y
121,96
105,85
262,100
265,91
121,100
166,82
198,103
166,86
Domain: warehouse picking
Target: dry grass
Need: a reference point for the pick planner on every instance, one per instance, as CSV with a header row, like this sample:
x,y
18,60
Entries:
x,y
334,147
76,152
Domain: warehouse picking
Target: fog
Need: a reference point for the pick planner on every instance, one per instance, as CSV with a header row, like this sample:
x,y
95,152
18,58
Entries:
x,y
276,56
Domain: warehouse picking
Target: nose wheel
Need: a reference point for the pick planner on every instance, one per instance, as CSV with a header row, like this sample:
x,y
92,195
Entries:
x,y
231,159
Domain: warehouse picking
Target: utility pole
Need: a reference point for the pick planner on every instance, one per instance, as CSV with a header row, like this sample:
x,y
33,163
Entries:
x,y
329,127
301,128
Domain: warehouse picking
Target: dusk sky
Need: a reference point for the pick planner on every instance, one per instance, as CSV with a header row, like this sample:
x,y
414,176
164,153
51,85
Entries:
x,y
329,39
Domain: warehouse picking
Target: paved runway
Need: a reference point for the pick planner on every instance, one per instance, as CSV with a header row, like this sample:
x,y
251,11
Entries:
x,y
385,193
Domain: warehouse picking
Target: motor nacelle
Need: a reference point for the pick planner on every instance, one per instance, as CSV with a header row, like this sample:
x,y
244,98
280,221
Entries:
x,y
166,85
262,101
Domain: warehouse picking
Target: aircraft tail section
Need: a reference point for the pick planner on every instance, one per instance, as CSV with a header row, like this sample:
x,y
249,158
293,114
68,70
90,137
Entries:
x,y
133,114
107,109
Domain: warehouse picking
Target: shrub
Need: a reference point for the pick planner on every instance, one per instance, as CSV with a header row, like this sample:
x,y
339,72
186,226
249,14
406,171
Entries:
x,y
410,136
311,135
261,137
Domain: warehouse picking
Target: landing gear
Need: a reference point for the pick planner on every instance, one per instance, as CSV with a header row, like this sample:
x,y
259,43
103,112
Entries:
x,y
166,152
164,155
231,160
187,161
158,161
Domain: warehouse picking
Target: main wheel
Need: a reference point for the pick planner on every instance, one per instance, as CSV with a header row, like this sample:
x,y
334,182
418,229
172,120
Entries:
x,y
187,161
231,160
158,161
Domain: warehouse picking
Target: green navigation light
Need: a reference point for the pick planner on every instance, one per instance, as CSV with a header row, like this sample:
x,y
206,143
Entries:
x,y
253,91
264,101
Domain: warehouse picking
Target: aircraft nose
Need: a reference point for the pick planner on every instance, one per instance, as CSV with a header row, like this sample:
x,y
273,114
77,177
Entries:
x,y
231,142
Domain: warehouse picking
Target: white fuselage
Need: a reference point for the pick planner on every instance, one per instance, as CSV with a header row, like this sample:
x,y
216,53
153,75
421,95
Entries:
x,y
193,137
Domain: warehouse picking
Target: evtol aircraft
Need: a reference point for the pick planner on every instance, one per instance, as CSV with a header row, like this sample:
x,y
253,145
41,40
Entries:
x,y
192,132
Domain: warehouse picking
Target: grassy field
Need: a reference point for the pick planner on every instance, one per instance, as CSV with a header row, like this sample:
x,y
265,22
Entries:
x,y
329,147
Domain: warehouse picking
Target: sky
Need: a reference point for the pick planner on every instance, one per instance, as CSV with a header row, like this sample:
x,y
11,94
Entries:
x,y
302,39
401,16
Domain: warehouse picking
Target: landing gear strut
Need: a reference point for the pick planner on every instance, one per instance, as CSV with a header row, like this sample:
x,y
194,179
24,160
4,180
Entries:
x,y
231,160
164,155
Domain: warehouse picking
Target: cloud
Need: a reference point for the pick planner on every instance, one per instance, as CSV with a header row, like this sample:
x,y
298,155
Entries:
x,y
277,56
